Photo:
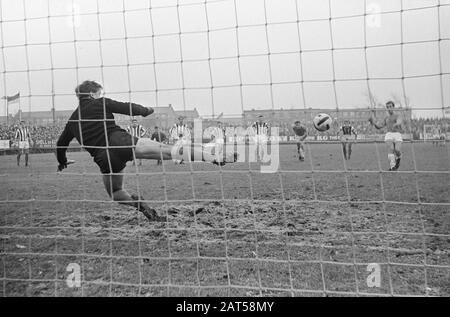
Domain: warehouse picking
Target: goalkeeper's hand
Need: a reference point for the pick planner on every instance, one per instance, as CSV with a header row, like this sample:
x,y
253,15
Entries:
x,y
61,167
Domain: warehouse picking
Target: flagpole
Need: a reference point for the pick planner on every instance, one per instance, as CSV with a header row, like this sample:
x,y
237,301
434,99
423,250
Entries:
x,y
7,111
20,109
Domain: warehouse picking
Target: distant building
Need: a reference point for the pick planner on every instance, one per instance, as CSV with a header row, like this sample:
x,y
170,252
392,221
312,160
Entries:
x,y
306,115
189,115
43,117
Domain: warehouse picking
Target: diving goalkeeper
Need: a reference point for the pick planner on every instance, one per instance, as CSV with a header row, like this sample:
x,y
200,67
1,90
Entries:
x,y
94,127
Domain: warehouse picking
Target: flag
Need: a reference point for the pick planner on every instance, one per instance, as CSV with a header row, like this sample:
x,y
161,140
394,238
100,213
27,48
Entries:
x,y
11,99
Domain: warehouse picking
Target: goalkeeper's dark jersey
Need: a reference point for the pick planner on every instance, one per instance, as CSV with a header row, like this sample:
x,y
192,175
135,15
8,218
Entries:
x,y
96,123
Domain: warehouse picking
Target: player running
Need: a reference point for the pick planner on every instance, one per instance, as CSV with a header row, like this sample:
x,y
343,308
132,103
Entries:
x,y
261,130
300,136
94,127
394,125
138,131
349,136
23,139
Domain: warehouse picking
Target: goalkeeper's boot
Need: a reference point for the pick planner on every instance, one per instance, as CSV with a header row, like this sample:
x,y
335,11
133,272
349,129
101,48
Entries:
x,y
148,212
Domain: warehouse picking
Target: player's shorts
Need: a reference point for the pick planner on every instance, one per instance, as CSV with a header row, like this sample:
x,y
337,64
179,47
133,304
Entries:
x,y
261,139
347,138
24,145
114,160
393,137
299,139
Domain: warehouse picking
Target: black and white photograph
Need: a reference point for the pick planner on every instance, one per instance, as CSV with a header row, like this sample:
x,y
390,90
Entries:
x,y
206,151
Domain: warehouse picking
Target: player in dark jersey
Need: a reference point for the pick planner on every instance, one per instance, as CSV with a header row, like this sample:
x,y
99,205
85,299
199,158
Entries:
x,y
394,125
180,132
348,137
94,127
300,136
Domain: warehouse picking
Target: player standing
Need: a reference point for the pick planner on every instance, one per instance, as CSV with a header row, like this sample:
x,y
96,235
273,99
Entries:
x,y
94,127
300,136
394,140
180,133
261,130
349,136
138,131
159,137
23,139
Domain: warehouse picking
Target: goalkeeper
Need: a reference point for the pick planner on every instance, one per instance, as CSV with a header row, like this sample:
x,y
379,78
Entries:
x,y
111,147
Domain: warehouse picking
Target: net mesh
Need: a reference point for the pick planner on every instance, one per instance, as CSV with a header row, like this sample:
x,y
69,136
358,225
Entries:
x,y
325,227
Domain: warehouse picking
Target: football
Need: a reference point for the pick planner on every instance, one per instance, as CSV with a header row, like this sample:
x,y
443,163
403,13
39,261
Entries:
x,y
322,122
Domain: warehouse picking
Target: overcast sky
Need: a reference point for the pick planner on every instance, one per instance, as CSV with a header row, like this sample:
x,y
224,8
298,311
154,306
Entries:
x,y
160,56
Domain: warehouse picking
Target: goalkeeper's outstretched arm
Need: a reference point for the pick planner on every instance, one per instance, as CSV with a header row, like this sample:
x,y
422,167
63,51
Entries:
x,y
127,108
61,148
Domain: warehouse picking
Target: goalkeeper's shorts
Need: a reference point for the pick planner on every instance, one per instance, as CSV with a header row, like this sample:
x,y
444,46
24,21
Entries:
x,y
121,151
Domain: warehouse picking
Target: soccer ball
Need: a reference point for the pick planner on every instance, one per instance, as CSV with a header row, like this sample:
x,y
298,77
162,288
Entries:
x,y
322,122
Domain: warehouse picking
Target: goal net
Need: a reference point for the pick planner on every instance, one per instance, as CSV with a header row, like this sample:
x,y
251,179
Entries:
x,y
274,227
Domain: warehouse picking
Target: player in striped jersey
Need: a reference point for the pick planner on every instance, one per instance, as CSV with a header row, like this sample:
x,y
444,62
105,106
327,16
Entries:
x,y
261,130
180,133
138,131
23,139
300,136
349,135
216,134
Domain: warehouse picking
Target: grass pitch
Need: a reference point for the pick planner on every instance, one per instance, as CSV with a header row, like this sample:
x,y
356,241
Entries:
x,y
232,231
